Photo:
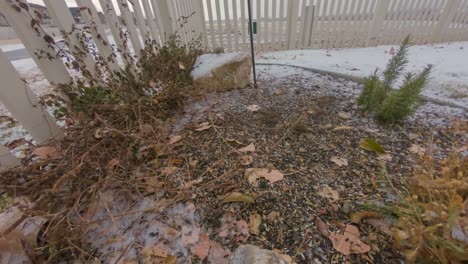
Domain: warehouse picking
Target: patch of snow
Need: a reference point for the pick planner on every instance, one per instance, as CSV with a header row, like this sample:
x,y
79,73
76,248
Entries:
x,y
449,80
206,63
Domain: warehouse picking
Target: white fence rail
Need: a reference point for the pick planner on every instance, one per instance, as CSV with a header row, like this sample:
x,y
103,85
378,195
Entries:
x,y
279,25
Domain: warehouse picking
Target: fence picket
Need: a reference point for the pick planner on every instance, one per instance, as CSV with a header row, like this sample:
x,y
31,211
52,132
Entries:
x,y
202,19
236,26
24,105
220,25
244,26
141,21
53,68
151,21
227,25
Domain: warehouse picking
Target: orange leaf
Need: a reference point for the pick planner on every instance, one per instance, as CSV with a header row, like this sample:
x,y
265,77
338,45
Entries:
x,y
348,242
46,152
322,227
357,217
202,248
248,148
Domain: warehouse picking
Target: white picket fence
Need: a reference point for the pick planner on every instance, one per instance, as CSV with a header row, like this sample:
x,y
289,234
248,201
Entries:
x,y
280,25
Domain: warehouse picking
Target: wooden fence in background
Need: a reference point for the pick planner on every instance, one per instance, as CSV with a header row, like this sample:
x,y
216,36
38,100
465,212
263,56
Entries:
x,y
279,25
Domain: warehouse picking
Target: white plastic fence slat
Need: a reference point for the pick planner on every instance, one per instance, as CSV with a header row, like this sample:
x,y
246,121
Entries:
x,y
227,24
60,13
202,19
417,20
258,39
192,21
331,23
266,19
220,25
293,10
377,22
302,23
357,24
53,69
7,160
454,32
314,42
274,24
427,24
236,26
393,27
337,36
177,4
401,21
324,25
244,25
151,22
344,24
163,14
350,21
211,24
406,23
463,35
115,27
90,16
309,21
367,22
141,20
387,27
130,25
24,105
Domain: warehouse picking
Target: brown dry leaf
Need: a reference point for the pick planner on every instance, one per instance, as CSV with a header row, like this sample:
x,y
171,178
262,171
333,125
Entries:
x,y
46,152
322,227
255,220
253,108
348,242
339,161
174,139
190,235
384,157
312,111
248,148
218,254
344,116
170,260
272,216
358,216
181,66
339,128
160,250
238,197
112,164
168,170
416,149
380,224
246,160
253,174
202,248
100,133
203,126
329,193
242,228
461,149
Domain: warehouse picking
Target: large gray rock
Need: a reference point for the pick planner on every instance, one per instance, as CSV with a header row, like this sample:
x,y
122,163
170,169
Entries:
x,y
250,254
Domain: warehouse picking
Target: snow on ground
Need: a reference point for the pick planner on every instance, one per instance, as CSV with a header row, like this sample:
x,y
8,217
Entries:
x,y
10,47
206,63
449,79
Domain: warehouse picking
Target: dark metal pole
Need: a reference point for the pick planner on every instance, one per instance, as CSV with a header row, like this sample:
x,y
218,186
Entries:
x,y
249,8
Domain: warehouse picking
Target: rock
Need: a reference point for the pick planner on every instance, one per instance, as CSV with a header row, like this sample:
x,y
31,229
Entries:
x,y
250,254
221,72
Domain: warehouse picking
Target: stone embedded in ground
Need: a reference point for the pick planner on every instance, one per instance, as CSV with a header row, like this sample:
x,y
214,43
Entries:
x,y
222,72
250,254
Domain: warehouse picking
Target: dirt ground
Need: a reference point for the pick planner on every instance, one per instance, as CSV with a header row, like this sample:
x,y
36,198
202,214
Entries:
x,y
301,134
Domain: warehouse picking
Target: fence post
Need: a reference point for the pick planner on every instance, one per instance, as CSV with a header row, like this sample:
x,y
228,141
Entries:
x,y
161,8
59,11
53,68
201,13
151,22
377,22
293,9
445,19
24,105
7,160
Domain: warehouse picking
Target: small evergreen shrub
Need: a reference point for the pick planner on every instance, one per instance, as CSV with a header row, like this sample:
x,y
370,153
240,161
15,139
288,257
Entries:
x,y
390,105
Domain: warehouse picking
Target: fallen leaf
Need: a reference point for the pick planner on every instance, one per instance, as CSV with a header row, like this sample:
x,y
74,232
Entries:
x,y
248,148
380,224
242,228
253,108
170,260
322,227
312,111
160,250
272,216
112,164
202,248
371,145
255,220
344,116
238,197
329,193
46,152
234,143
348,242
168,170
190,235
416,149
181,66
218,254
100,132
174,139
461,149
339,128
339,161
252,174
385,157
358,216
203,126
246,160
